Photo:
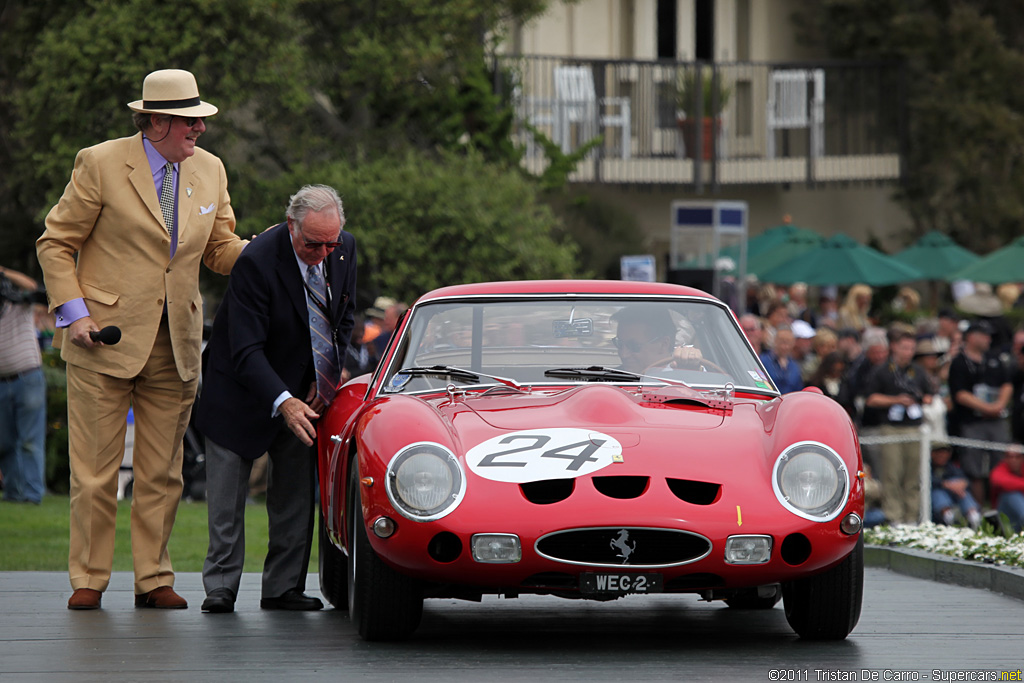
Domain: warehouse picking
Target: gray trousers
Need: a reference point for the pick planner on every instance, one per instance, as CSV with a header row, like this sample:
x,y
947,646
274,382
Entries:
x,y
290,495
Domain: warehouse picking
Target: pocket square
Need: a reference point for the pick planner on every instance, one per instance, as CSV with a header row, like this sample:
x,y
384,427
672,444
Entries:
x,y
203,210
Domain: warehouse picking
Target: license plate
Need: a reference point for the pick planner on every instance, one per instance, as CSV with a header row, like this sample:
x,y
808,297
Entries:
x,y
601,582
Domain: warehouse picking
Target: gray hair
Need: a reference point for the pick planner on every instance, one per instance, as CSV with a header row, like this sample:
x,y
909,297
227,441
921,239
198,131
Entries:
x,y
875,337
144,121
314,198
750,317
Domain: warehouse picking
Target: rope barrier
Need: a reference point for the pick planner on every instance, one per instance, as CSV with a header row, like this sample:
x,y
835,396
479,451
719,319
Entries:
x,y
925,437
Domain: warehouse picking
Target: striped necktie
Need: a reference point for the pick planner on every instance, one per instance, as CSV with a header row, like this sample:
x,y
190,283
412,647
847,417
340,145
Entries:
x,y
325,356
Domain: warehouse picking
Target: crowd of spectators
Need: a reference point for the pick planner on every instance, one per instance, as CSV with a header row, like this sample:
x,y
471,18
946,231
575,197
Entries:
x,y
957,373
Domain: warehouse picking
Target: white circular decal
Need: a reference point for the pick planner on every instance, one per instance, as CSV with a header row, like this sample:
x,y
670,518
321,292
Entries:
x,y
536,454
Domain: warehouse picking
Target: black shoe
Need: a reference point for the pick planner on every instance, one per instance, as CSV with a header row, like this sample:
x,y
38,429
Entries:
x,y
293,599
219,600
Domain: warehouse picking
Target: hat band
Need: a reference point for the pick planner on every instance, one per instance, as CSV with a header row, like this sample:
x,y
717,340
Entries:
x,y
171,104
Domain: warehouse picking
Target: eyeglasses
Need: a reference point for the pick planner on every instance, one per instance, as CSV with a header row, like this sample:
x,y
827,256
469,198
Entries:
x,y
317,245
633,345
191,120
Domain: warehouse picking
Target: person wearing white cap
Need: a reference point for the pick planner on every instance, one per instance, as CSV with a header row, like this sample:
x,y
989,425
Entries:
x,y
122,249
803,334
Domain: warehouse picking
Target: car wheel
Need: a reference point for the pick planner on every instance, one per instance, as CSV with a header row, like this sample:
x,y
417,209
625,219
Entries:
x,y
749,599
827,606
382,603
333,570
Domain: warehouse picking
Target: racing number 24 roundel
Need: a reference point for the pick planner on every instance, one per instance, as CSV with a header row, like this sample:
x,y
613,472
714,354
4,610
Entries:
x,y
537,454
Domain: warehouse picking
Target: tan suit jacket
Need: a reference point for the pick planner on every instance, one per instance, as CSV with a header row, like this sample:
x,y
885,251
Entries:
x,y
110,217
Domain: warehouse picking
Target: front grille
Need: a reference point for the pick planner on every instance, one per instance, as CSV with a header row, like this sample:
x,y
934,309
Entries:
x,y
621,546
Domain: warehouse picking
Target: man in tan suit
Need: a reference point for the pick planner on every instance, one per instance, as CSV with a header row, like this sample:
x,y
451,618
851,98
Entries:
x,y
139,213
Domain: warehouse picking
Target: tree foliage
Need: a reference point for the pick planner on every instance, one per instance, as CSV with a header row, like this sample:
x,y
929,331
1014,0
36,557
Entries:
x,y
427,219
78,65
391,100
964,58
403,70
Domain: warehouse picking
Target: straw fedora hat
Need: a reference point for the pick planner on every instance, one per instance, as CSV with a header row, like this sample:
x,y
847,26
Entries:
x,y
173,92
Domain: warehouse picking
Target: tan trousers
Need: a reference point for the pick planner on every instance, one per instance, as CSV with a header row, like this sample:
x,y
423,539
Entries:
x,y
901,476
97,412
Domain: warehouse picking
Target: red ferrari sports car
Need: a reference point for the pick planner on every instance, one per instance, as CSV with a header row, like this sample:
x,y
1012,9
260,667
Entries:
x,y
585,439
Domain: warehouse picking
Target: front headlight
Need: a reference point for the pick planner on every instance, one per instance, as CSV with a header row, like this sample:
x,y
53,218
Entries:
x,y
425,481
811,480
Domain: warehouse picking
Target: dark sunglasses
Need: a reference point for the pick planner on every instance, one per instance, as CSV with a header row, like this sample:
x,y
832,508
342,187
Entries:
x,y
191,120
633,345
317,245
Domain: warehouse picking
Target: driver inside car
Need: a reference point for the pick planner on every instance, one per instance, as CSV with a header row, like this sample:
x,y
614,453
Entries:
x,y
647,337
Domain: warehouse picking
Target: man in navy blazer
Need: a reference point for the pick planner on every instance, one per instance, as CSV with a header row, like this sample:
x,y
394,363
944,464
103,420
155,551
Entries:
x,y
260,395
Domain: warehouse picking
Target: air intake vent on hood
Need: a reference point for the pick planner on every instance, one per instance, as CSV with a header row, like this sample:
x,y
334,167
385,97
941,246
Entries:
x,y
622,488
695,492
547,491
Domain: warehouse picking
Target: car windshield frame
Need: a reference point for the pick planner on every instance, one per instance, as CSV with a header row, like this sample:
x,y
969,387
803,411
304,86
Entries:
x,y
520,336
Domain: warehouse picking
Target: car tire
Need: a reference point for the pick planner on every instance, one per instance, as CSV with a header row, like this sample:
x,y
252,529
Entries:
x,y
333,570
827,606
382,603
749,599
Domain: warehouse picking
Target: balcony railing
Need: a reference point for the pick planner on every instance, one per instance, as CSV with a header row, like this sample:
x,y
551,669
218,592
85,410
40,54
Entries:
x,y
761,122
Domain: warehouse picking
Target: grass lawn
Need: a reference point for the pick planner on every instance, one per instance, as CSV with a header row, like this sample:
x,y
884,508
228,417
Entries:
x,y
35,537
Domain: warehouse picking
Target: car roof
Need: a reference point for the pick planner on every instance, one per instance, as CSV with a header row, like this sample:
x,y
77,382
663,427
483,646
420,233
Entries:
x,y
562,287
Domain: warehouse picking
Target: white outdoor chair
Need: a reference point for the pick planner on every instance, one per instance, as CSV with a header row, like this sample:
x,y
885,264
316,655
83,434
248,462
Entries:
x,y
790,106
576,104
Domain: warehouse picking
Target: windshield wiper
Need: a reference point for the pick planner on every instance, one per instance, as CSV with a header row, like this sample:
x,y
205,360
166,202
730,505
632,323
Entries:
x,y
451,372
599,373
457,374
594,373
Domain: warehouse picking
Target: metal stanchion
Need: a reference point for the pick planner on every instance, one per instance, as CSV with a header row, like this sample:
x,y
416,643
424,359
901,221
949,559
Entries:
x,y
925,438
926,474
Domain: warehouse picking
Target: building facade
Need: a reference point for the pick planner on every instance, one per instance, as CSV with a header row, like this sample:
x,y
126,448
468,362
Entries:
x,y
714,100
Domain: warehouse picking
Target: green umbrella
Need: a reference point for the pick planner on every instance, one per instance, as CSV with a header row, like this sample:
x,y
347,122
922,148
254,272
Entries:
x,y
770,240
796,244
1002,265
936,256
841,260
774,236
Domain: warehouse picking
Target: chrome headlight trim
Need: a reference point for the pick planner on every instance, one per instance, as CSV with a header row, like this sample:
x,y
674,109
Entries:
x,y
414,461
822,473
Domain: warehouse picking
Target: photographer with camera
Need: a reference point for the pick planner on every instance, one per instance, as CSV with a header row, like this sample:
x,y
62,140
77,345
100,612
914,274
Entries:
x,y
900,388
22,391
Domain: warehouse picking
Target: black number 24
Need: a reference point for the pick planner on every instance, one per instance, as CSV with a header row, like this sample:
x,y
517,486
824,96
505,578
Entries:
x,y
578,460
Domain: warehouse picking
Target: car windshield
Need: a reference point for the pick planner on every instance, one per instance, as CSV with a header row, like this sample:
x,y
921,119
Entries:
x,y
555,341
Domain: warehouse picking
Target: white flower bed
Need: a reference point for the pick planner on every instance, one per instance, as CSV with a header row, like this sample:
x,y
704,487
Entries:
x,y
956,541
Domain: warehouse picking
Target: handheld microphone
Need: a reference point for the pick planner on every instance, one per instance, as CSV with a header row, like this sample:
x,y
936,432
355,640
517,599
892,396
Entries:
x,y
109,335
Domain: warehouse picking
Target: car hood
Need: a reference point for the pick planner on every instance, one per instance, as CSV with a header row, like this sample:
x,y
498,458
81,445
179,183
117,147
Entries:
x,y
605,405
509,436
569,433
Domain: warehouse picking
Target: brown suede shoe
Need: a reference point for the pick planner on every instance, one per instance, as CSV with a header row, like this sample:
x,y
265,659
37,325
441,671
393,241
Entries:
x,y
85,598
163,597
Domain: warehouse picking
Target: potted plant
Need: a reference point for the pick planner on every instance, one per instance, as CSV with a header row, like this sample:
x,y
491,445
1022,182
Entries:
x,y
700,88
